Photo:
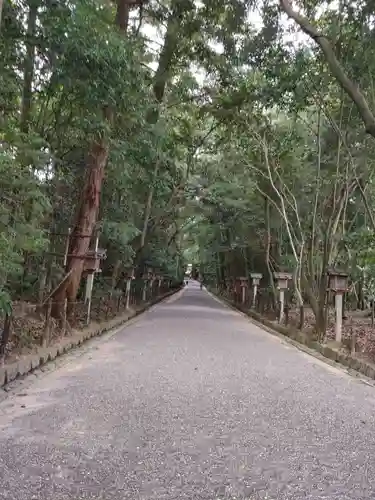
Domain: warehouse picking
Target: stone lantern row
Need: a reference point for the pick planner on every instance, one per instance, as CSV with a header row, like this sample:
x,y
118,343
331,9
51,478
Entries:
x,y
149,278
337,283
282,285
255,280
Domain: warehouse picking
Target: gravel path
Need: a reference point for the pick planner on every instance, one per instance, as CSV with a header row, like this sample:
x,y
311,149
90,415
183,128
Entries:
x,y
189,401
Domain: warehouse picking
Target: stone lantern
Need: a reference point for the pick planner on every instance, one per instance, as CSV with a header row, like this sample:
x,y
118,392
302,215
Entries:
x,y
92,260
282,280
337,281
255,280
338,284
244,282
282,285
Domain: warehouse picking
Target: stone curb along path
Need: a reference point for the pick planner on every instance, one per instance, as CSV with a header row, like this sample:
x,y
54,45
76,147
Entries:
x,y
30,362
302,341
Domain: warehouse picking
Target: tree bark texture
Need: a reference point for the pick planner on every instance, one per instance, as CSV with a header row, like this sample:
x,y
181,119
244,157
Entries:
x,y
90,199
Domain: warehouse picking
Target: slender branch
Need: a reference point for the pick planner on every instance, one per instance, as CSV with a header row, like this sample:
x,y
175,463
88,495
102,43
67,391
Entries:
x,y
317,189
350,87
337,129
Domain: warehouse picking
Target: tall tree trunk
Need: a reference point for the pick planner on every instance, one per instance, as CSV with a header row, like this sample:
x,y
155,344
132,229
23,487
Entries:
x,y
268,248
89,207
149,204
87,215
27,93
29,63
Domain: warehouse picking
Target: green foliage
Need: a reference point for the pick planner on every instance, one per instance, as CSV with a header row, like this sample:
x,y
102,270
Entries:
x,y
239,153
23,207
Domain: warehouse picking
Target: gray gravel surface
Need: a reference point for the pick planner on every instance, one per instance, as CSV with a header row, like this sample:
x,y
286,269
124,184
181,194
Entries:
x,y
189,401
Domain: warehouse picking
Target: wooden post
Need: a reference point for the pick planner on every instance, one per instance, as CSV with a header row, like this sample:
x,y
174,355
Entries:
x,y
42,283
128,288
262,303
338,283
47,325
67,248
352,338
107,309
144,290
90,278
63,323
258,301
286,310
243,284
88,307
301,317
326,311
282,279
6,335
255,277
99,305
282,301
338,307
255,291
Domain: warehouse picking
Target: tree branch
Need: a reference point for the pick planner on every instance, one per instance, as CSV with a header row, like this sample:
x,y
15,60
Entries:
x,y
337,71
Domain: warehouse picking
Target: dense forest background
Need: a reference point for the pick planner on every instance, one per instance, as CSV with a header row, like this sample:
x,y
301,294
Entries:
x,y
232,134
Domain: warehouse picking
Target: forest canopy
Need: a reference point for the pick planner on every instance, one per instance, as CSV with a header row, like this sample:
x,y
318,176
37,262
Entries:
x,y
234,134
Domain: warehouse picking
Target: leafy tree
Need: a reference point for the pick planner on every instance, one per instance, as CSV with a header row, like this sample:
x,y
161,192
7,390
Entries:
x,y
220,142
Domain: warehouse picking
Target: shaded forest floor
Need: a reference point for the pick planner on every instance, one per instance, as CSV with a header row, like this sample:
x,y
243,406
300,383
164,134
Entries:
x,y
357,323
28,325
